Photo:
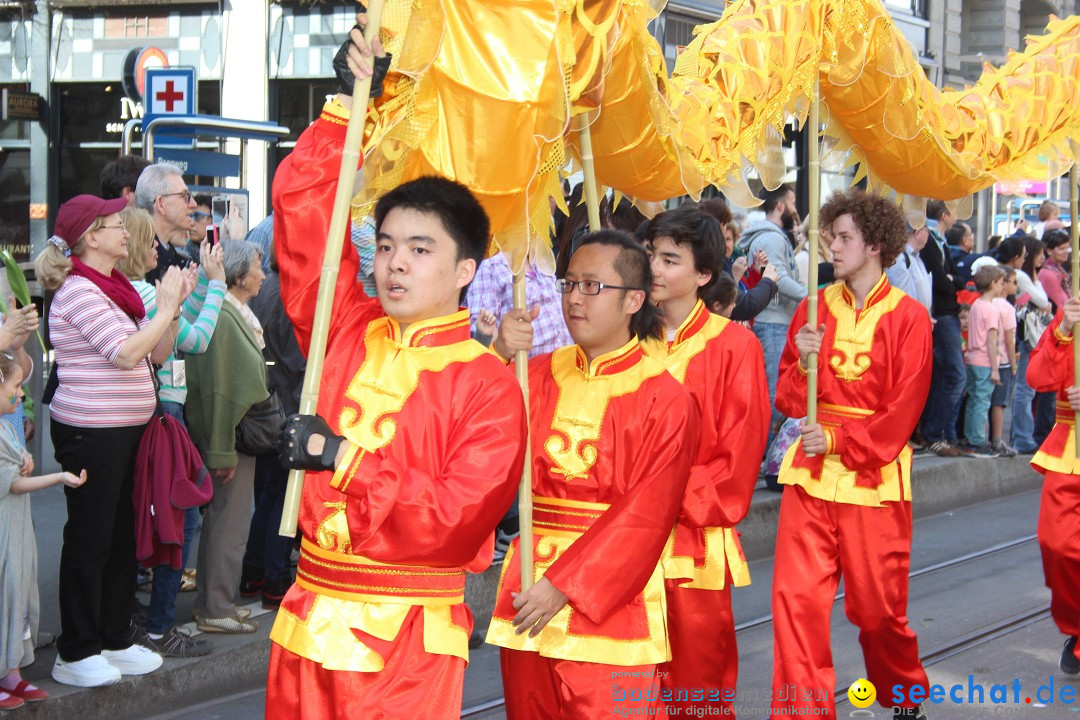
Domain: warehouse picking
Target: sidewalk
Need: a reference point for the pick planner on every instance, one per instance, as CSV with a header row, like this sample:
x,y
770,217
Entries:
x,y
239,662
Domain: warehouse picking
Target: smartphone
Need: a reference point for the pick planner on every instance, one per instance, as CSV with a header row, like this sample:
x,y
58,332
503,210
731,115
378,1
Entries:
x,y
219,207
212,234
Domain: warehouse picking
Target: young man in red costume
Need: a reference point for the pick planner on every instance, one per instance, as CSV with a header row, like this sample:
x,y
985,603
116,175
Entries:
x,y
721,364
848,505
417,446
1051,370
612,438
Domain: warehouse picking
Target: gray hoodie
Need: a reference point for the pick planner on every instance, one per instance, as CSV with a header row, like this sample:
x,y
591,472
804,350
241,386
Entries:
x,y
766,235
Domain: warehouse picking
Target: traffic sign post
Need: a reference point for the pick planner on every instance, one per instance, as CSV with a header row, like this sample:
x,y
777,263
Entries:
x,y
170,92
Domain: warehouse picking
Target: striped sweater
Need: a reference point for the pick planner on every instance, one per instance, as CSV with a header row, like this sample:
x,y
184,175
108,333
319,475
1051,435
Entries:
x,y
87,331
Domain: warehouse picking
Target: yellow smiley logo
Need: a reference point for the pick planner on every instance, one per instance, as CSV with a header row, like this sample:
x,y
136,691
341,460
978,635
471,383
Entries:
x,y
862,693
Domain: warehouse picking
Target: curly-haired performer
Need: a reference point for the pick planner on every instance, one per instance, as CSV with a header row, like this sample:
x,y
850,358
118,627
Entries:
x,y
848,509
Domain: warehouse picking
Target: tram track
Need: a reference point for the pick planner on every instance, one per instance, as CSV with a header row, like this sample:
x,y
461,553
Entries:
x,y
954,647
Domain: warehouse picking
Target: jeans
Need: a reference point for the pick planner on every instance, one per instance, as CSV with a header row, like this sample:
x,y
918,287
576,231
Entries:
x,y
773,337
947,383
1045,415
161,613
1023,419
979,390
266,549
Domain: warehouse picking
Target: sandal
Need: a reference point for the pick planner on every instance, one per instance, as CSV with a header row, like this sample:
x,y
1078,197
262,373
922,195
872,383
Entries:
x,y
28,692
10,702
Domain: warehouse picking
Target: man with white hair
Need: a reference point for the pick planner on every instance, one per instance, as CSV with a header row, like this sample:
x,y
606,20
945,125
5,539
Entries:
x,y
162,192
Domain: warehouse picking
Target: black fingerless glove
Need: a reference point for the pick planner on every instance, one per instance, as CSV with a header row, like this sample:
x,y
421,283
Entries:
x,y
346,78
294,452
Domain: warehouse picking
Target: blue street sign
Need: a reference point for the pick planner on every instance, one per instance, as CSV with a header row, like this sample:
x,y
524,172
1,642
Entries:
x,y
191,162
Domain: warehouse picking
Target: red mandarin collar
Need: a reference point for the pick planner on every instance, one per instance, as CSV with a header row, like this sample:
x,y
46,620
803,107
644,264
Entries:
x,y
877,293
613,362
693,323
435,332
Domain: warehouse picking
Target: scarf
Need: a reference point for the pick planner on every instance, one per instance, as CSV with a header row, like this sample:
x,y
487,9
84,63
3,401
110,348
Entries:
x,y
1062,276
249,316
115,286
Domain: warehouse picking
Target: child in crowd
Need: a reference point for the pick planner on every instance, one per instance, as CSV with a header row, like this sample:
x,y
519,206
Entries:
x,y
964,315
19,608
720,297
981,358
1007,363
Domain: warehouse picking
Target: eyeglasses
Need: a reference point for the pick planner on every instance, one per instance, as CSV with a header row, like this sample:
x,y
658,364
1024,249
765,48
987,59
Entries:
x,y
587,287
119,226
200,216
185,194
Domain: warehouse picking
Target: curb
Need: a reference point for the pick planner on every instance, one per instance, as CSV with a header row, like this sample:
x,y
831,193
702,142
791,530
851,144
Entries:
x,y
937,485
238,663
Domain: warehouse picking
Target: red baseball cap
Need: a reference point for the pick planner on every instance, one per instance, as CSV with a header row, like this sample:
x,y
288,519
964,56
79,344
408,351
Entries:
x,y
76,216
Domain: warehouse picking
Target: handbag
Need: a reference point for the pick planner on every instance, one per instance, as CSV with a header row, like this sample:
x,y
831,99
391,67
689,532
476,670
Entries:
x,y
1034,324
259,431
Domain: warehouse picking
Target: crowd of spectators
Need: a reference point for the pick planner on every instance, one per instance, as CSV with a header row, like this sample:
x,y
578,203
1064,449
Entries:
x,y
149,318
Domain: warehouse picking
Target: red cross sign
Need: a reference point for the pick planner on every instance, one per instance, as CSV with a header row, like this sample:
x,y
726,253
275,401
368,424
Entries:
x,y
170,91
169,96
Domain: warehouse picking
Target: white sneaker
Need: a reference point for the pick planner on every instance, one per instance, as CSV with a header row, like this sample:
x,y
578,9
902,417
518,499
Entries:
x,y
136,660
93,671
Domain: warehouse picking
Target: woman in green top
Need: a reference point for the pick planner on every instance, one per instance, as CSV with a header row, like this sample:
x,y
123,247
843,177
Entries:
x,y
223,384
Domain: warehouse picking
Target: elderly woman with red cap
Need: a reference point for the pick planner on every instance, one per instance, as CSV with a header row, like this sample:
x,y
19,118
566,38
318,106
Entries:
x,y
105,397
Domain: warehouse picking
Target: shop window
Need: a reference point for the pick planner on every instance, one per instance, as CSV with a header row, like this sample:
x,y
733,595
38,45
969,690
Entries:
x,y
15,202
295,104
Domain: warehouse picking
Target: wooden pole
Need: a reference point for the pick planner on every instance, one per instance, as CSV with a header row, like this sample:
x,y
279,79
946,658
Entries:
x,y
335,239
525,505
521,364
1074,180
814,168
592,201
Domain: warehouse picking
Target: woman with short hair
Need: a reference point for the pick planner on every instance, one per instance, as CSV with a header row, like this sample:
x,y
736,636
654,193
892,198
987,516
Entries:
x,y
223,384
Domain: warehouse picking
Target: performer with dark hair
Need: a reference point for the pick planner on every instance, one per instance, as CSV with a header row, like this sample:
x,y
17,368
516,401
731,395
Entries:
x,y
848,508
416,449
721,364
612,438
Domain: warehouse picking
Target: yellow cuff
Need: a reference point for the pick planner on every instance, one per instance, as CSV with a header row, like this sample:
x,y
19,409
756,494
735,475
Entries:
x,y
802,370
830,441
505,361
345,471
1061,337
333,111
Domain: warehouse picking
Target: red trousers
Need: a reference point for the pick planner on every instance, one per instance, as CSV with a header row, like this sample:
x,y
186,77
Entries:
x,y
704,655
539,688
816,541
1059,540
413,684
